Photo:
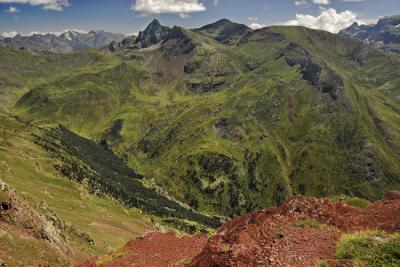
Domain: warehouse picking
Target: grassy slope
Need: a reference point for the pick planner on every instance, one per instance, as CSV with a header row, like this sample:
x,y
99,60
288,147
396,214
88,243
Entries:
x,y
21,70
370,248
373,88
316,148
29,170
263,132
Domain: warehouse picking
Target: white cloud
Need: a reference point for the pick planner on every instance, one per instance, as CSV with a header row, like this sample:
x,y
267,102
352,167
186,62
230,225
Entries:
x,y
57,5
184,15
8,34
181,7
12,9
318,2
256,26
352,1
300,2
321,2
328,20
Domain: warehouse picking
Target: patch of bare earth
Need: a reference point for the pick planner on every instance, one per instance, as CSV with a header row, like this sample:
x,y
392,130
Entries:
x,y
271,237
155,250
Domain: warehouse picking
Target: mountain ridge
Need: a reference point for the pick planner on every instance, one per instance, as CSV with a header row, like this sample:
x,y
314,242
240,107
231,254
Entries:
x,y
63,42
384,35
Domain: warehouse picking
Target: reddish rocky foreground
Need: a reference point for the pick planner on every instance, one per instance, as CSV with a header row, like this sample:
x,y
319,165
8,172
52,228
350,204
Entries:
x,y
155,249
266,238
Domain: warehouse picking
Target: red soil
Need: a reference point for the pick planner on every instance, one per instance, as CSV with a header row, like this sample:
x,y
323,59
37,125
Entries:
x,y
270,237
155,250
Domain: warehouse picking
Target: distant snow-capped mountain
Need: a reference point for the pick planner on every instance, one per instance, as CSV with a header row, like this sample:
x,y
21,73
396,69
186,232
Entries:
x,y
384,35
70,40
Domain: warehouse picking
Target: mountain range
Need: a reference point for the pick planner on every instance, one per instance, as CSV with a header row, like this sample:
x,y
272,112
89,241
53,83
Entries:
x,y
384,35
183,129
65,42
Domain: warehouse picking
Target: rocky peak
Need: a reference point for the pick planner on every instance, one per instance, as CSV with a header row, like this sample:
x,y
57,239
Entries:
x,y
224,30
217,24
154,23
354,26
153,34
389,21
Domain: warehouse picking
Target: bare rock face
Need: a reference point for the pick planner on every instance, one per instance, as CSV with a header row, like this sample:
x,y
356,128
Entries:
x,y
322,77
113,46
153,34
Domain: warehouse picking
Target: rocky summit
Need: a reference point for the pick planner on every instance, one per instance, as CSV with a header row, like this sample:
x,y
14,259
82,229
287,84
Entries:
x,y
153,34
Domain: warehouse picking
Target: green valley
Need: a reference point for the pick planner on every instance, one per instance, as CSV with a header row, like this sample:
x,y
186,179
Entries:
x,y
194,128
232,125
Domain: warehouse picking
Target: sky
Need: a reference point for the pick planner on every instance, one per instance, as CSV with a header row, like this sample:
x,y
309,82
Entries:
x,y
131,16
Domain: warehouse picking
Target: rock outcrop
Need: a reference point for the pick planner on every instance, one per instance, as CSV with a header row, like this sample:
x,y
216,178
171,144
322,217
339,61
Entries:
x,y
153,34
322,77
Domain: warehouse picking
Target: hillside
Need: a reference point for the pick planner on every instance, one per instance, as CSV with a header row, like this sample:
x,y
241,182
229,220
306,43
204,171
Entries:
x,y
64,198
74,199
229,127
303,232
48,219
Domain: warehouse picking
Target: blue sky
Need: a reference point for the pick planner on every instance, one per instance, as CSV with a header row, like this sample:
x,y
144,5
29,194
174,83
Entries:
x,y
130,16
